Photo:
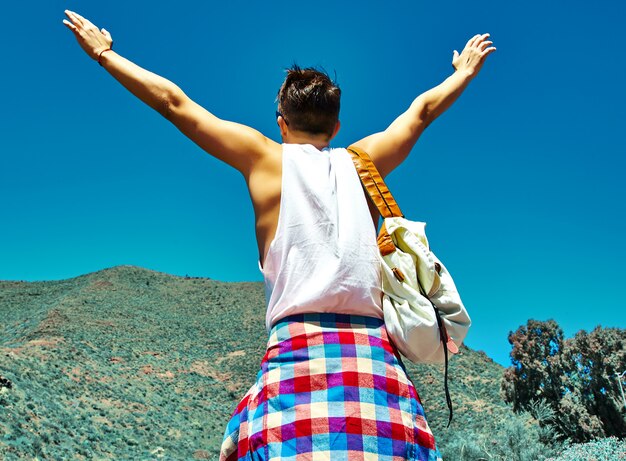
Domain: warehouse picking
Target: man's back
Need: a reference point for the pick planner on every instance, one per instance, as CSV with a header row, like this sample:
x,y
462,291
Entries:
x,y
324,255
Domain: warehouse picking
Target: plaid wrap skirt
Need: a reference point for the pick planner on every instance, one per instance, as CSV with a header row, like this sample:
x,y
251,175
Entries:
x,y
331,386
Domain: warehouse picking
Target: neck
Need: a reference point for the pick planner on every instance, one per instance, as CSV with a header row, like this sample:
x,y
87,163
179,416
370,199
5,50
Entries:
x,y
319,141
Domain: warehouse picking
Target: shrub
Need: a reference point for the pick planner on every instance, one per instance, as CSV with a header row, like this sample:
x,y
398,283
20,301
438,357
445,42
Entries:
x,y
609,449
519,438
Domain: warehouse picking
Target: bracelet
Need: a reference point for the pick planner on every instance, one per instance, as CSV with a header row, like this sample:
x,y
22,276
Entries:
x,y
100,54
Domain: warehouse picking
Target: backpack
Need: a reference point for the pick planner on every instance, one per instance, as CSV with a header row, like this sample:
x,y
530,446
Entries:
x,y
423,312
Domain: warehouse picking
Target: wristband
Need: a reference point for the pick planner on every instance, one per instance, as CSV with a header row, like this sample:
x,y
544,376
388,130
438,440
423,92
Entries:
x,y
100,54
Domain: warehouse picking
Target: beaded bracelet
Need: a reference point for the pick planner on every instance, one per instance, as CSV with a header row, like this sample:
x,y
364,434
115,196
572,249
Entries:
x,y
99,55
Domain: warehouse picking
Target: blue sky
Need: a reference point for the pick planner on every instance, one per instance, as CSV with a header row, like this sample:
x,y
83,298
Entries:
x,y
520,182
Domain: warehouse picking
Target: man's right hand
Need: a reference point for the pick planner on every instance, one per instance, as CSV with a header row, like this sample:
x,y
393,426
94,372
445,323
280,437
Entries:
x,y
389,148
473,55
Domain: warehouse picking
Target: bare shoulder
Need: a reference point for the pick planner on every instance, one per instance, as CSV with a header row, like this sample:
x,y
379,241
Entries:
x,y
264,177
389,148
381,151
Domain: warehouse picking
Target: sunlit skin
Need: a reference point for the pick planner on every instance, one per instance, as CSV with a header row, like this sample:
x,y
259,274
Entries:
x,y
257,157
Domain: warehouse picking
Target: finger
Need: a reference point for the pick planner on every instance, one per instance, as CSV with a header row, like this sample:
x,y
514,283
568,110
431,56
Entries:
x,y
480,39
484,45
471,41
106,33
70,26
84,21
487,51
79,16
74,17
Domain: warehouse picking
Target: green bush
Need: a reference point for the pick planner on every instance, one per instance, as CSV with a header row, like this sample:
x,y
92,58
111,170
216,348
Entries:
x,y
609,449
518,438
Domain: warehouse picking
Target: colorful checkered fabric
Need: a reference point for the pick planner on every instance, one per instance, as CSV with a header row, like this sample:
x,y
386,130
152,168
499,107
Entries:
x,y
331,386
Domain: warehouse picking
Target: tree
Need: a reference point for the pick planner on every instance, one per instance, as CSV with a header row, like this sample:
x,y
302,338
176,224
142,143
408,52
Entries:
x,y
576,377
591,362
536,373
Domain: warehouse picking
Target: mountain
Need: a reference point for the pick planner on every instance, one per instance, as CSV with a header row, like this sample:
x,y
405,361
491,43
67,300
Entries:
x,y
131,363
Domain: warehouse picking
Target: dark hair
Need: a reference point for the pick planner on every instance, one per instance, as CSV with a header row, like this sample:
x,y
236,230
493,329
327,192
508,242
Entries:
x,y
308,100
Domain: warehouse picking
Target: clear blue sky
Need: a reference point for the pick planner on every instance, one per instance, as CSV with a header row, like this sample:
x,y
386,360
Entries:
x,y
520,182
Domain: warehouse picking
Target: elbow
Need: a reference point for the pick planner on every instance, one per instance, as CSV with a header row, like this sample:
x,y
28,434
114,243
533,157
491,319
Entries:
x,y
430,111
164,108
170,101
423,110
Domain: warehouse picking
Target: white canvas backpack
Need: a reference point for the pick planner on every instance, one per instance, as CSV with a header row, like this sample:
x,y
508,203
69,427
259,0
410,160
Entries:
x,y
424,314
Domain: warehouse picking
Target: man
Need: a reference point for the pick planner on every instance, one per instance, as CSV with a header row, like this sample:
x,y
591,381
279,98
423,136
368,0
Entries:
x,y
331,383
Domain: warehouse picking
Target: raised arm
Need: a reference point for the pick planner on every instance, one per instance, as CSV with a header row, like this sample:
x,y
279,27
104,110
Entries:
x,y
238,145
389,148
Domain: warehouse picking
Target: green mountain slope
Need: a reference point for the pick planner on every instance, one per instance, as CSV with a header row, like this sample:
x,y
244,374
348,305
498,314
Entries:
x,y
130,363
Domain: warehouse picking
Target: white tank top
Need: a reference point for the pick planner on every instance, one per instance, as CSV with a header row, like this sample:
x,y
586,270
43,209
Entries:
x,y
323,257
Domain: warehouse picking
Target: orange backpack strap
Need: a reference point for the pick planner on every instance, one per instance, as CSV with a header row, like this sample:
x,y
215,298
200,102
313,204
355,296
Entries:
x,y
373,183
